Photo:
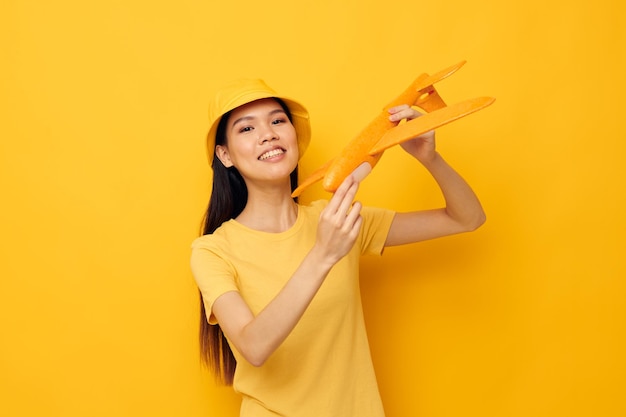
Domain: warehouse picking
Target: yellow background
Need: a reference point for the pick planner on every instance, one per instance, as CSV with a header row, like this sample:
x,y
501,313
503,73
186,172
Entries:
x,y
104,181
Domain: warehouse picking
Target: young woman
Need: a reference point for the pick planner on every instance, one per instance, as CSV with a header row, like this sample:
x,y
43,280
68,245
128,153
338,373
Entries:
x,y
279,281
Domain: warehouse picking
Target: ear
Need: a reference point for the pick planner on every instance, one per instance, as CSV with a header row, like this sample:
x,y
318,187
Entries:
x,y
222,153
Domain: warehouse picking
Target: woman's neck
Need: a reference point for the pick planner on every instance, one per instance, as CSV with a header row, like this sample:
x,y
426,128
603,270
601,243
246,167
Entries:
x,y
272,211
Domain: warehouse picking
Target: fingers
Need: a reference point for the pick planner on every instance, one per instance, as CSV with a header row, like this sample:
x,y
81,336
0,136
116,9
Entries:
x,y
342,207
348,197
403,111
343,196
361,172
346,213
340,221
353,218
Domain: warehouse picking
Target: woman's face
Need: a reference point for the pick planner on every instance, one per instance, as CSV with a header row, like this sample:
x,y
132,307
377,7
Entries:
x,y
261,142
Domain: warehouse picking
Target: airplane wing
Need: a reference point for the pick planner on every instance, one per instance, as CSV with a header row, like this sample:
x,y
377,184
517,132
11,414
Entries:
x,y
315,176
429,121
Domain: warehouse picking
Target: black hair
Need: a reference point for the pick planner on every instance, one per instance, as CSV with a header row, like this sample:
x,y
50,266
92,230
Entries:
x,y
229,196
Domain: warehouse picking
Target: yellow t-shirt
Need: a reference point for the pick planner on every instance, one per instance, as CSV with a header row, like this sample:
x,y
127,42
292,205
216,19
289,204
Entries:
x,y
323,368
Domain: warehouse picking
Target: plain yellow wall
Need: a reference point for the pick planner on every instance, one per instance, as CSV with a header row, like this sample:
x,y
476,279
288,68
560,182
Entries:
x,y
104,181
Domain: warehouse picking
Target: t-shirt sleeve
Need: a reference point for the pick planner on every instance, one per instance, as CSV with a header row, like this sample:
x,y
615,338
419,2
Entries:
x,y
213,275
375,228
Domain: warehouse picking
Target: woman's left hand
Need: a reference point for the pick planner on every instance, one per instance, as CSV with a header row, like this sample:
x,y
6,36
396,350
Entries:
x,y
421,147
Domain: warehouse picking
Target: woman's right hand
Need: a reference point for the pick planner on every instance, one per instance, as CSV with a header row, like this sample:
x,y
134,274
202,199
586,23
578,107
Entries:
x,y
340,222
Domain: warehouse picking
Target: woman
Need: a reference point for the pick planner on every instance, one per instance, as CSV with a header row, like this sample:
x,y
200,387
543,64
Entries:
x,y
282,318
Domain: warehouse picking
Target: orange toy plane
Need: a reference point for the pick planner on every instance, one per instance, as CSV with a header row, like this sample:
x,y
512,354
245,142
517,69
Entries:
x,y
381,134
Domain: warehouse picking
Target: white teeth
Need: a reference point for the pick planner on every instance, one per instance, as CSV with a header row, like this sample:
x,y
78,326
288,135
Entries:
x,y
271,153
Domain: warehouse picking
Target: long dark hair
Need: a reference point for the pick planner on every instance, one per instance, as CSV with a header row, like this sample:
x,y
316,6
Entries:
x,y
229,196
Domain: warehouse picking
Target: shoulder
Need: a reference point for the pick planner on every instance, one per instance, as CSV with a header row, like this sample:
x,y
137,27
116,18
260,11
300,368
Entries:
x,y
211,253
228,231
208,241
217,243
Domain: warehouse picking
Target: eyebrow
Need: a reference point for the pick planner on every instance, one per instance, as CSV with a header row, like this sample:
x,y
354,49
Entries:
x,y
246,118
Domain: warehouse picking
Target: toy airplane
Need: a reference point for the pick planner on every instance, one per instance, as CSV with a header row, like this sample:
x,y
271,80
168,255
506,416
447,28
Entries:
x,y
381,134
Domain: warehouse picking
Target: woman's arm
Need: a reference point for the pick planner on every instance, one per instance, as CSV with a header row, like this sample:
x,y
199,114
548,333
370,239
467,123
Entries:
x,y
257,337
462,212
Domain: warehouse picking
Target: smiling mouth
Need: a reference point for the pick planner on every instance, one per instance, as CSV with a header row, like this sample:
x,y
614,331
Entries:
x,y
272,153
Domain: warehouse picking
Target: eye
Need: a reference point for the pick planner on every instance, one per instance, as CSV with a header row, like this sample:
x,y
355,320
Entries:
x,y
279,121
245,129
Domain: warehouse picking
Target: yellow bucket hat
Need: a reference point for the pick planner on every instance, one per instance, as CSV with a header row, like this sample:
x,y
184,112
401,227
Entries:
x,y
244,91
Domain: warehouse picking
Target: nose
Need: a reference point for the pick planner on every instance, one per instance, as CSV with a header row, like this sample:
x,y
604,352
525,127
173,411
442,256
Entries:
x,y
267,134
